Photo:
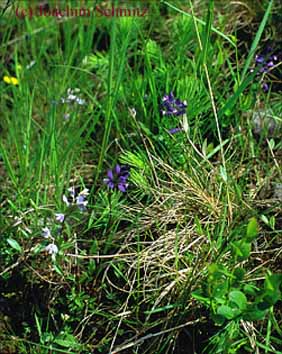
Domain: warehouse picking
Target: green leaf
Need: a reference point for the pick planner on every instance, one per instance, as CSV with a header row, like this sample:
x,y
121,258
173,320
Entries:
x,y
252,229
14,244
241,249
254,315
256,40
204,300
58,269
239,273
250,289
273,282
216,271
223,173
228,312
264,219
238,298
272,292
66,340
218,319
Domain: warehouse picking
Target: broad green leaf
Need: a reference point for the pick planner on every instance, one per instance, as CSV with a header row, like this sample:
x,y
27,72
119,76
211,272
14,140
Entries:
x,y
250,289
238,298
252,229
254,315
66,340
273,282
264,219
239,273
218,319
272,292
14,244
241,249
228,312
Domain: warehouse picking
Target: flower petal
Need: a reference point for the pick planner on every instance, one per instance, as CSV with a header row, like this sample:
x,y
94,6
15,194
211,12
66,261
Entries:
x,y
110,174
117,169
122,187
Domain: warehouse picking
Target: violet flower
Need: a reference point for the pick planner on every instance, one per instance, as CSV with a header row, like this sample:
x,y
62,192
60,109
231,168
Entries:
x,y
60,217
175,130
117,178
52,249
78,200
46,233
265,87
265,62
172,106
81,202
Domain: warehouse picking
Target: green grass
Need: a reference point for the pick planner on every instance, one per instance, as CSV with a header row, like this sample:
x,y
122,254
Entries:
x,y
189,257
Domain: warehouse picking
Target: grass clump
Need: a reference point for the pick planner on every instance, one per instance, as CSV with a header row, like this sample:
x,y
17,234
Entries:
x,y
140,171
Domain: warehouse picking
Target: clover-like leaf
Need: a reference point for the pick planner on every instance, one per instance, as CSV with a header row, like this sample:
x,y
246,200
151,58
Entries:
x,y
238,297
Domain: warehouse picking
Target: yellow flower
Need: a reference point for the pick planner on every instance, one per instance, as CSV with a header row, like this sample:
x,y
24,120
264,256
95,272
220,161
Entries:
x,y
11,80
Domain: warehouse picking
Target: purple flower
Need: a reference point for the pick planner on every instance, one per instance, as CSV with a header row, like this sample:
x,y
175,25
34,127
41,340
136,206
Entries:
x,y
117,178
265,62
78,199
175,130
265,87
46,233
173,106
81,202
60,217
51,249
259,59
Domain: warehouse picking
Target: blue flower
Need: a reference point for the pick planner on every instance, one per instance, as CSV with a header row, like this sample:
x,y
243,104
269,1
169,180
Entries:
x,y
265,62
46,233
172,106
52,249
265,87
117,178
175,130
60,217
79,200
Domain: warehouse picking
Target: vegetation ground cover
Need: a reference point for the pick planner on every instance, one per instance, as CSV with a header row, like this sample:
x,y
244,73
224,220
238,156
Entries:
x,y
141,182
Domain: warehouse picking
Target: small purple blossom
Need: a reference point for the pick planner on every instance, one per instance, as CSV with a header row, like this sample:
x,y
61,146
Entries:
x,y
117,178
175,130
52,249
265,87
60,217
259,59
46,233
77,199
265,62
172,106
81,202
72,97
